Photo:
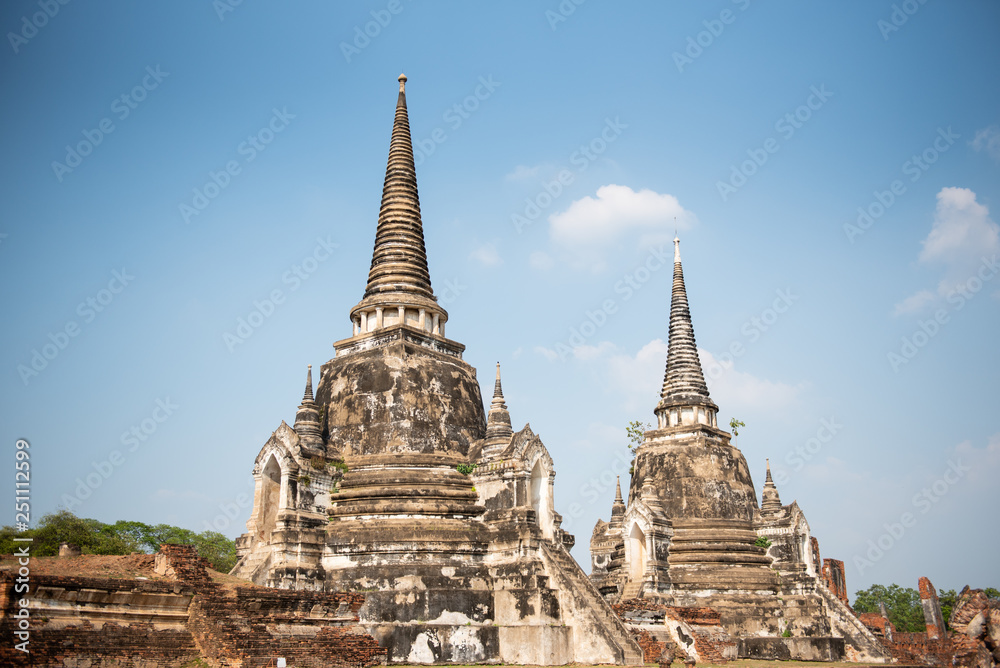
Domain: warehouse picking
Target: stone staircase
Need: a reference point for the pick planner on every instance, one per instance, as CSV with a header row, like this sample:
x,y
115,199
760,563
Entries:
x,y
573,579
631,590
867,647
254,565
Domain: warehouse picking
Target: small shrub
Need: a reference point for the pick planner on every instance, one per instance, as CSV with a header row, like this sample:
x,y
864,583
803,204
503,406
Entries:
x,y
762,541
339,465
305,480
465,469
318,463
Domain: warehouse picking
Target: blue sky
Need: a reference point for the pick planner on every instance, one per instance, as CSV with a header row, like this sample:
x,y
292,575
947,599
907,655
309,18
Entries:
x,y
556,150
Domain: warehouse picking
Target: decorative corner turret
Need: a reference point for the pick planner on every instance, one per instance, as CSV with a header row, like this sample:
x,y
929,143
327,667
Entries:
x,y
684,399
307,419
770,501
618,507
498,418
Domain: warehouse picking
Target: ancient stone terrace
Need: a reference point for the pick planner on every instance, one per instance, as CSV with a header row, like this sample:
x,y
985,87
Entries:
x,y
167,610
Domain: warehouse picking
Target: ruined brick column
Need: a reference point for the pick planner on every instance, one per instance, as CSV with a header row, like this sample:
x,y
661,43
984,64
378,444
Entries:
x,y
835,579
932,611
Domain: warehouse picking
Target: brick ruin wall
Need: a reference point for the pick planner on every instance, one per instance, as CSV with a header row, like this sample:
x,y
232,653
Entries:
x,y
711,642
973,642
835,579
165,624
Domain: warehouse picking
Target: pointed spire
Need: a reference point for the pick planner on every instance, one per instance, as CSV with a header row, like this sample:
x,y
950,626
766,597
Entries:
x,y
498,419
770,501
617,508
683,378
399,261
308,395
498,390
307,421
683,381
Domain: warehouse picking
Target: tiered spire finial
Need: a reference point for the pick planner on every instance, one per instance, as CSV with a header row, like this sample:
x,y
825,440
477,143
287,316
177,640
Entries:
x,y
398,292
308,394
498,419
683,377
399,261
618,507
683,381
770,501
307,424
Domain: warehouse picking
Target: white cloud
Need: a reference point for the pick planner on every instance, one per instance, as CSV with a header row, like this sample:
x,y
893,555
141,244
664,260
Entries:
x,y
963,234
988,139
547,353
983,463
587,353
615,211
487,255
962,229
523,172
739,390
914,303
638,380
540,260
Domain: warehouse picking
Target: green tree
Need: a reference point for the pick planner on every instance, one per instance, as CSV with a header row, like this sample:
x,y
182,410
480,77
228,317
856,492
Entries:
x,y
903,605
217,549
992,592
947,598
122,537
636,434
635,431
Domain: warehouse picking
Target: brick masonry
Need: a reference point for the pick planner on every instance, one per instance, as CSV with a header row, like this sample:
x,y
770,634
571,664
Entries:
x,y
109,623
